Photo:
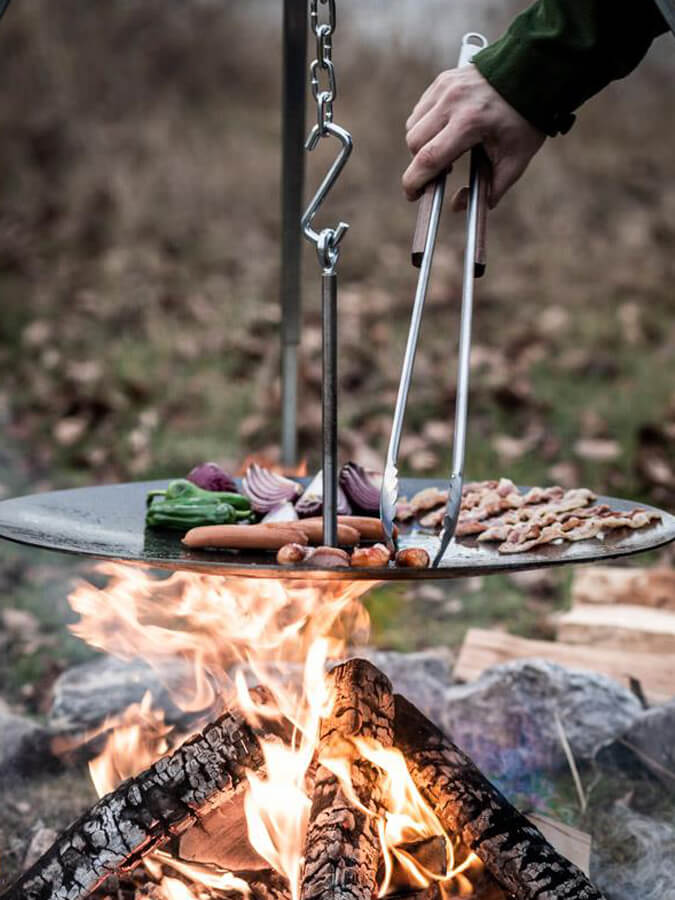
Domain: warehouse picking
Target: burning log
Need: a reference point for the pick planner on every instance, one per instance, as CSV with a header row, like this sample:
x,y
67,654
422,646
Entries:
x,y
513,850
342,846
144,812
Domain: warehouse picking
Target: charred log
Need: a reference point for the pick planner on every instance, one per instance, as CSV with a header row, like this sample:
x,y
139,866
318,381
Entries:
x,y
143,813
513,850
342,846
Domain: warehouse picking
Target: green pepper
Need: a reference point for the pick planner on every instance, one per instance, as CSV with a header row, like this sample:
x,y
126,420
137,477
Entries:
x,y
183,516
188,493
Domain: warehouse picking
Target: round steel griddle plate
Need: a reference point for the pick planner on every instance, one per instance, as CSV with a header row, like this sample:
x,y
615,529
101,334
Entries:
x,y
108,523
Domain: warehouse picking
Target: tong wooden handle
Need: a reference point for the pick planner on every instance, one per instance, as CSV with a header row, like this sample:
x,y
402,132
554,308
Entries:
x,y
422,224
484,168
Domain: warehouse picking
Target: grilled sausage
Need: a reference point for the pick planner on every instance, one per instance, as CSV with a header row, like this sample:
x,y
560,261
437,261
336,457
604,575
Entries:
x,y
245,537
347,536
327,557
292,554
371,557
413,558
370,528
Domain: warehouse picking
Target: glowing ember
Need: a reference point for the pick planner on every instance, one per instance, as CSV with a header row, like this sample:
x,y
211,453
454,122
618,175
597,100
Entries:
x,y
209,639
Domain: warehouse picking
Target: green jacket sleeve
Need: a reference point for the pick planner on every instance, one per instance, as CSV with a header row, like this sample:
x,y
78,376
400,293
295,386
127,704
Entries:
x,y
558,53
3,6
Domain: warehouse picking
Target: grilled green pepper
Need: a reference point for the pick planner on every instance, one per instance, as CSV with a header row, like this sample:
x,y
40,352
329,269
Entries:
x,y
186,492
183,516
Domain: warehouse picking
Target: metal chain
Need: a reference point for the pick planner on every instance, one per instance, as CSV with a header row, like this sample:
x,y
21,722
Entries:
x,y
322,69
324,32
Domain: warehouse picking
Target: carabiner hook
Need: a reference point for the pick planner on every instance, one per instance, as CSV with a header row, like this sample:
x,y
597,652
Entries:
x,y
327,241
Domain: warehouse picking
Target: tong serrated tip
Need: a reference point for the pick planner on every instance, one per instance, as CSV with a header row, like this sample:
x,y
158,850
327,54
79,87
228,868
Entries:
x,y
388,500
451,517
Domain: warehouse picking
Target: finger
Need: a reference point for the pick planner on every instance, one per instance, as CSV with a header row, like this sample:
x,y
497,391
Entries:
x,y
437,156
426,129
423,105
460,200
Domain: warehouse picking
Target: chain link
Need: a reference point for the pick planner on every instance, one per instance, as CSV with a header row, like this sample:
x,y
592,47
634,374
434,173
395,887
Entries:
x,y
324,91
324,95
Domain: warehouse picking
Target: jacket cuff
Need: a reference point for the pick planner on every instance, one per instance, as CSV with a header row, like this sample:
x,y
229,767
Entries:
x,y
524,78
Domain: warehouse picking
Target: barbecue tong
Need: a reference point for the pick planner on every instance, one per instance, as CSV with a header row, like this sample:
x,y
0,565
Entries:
x,y
424,243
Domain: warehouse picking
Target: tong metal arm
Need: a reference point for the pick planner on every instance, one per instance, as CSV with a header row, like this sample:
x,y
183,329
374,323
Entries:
x,y
424,242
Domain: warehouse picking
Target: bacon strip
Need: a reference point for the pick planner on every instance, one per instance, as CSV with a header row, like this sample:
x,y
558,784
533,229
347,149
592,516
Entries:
x,y
495,511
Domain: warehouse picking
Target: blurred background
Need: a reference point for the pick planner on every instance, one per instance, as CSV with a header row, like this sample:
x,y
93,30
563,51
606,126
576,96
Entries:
x,y
139,265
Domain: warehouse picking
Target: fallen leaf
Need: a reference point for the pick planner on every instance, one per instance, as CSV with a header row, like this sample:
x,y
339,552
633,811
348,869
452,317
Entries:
x,y
597,450
68,431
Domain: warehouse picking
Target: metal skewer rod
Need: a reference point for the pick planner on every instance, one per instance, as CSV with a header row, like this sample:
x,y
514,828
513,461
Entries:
x,y
327,243
329,288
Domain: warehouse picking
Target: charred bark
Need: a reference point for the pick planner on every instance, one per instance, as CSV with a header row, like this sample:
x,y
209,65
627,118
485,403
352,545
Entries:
x,y
342,846
143,813
513,850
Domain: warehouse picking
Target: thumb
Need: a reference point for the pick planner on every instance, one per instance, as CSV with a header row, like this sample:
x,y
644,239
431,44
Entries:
x,y
505,172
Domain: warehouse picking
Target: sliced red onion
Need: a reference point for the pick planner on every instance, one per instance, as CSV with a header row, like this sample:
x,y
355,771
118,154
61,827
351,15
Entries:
x,y
266,490
359,488
210,477
311,502
285,512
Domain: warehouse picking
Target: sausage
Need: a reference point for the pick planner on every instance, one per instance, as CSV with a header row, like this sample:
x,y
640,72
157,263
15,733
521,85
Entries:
x,y
347,536
413,558
371,557
292,554
245,537
370,528
327,557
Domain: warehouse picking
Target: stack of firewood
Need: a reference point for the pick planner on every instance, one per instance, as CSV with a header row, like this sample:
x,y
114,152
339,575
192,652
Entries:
x,y
172,802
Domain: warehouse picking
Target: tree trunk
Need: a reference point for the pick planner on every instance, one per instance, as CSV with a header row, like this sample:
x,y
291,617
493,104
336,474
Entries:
x,y
143,813
514,851
342,846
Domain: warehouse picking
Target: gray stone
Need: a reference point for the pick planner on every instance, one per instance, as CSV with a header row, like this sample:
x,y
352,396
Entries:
x,y
649,742
633,855
24,745
506,720
423,677
86,695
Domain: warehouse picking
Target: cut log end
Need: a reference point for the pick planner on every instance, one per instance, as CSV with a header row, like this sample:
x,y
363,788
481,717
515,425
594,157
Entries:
x,y
342,846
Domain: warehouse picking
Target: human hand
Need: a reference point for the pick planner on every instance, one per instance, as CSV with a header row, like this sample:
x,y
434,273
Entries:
x,y
457,111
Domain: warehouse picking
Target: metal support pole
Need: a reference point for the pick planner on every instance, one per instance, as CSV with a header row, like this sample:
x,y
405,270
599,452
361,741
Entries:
x,y
329,407
292,185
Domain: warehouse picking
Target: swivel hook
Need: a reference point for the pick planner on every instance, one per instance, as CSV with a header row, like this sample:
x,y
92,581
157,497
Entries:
x,y
327,241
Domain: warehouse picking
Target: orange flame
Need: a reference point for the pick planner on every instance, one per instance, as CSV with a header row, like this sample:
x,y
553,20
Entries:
x,y
207,638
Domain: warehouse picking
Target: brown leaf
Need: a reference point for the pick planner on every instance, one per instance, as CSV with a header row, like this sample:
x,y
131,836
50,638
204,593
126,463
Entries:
x,y
597,450
69,430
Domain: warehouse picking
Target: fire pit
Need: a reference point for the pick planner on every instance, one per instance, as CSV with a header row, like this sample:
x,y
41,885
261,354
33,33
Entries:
x,y
308,785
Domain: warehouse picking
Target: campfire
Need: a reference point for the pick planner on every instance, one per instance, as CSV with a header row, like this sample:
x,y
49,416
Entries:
x,y
301,776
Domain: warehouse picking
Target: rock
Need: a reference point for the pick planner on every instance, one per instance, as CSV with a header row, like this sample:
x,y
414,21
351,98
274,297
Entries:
x,y
422,677
86,695
506,720
633,855
649,743
24,745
